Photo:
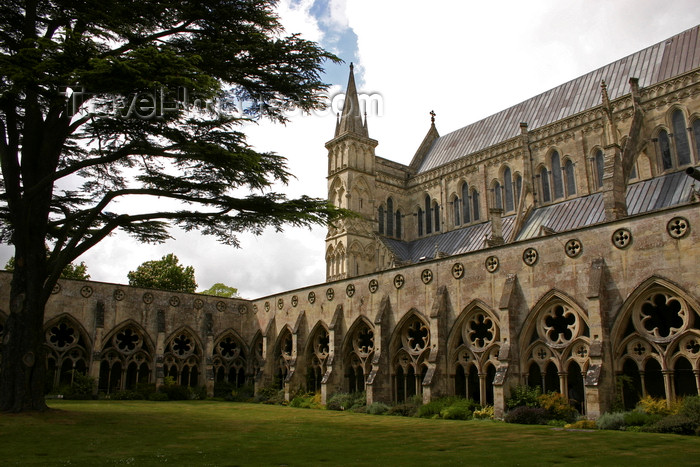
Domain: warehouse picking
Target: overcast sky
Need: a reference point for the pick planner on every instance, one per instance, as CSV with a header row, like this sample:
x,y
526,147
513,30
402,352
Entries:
x,y
463,59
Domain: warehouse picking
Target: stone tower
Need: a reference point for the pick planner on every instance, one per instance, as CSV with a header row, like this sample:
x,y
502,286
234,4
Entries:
x,y
351,243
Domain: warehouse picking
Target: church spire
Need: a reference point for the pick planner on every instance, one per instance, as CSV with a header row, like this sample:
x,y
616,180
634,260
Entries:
x,y
351,118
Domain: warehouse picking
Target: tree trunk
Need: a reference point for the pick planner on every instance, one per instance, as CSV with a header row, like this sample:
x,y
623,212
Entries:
x,y
24,358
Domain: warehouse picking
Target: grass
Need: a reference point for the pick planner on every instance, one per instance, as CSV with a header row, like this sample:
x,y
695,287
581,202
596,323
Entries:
x,y
230,434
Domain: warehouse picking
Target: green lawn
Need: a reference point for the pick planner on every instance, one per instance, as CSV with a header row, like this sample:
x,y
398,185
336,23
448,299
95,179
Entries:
x,y
221,433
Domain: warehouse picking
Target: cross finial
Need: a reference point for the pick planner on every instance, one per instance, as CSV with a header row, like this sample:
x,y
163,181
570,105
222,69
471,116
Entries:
x,y
432,116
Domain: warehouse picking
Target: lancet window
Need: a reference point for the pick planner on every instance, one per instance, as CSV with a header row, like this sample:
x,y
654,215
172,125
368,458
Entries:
x,y
317,356
230,360
410,350
68,352
126,359
359,353
182,359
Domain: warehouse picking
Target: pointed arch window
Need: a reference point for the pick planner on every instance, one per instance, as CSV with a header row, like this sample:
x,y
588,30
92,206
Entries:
x,y
680,137
599,167
570,180
696,134
466,215
556,176
428,220
665,149
420,222
398,223
497,198
436,215
518,189
380,216
390,217
544,180
508,188
475,204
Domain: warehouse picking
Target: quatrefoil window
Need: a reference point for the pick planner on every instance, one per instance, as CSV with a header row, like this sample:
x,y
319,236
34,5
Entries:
x,y
678,227
399,281
127,340
364,341
373,285
458,270
491,264
573,248
622,238
480,330
426,276
62,335
530,256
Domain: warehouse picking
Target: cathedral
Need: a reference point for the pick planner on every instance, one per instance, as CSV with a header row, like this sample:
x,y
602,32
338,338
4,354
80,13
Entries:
x,y
552,244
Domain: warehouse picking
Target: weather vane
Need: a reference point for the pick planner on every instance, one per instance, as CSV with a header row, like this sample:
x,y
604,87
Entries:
x,y
432,116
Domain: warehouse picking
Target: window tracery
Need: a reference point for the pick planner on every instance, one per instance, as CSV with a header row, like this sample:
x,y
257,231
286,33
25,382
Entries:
x,y
283,355
67,353
126,360
182,359
230,360
409,355
317,357
359,357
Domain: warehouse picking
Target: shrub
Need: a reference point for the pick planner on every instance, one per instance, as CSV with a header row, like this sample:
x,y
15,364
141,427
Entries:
x,y
582,425
346,401
223,389
126,395
158,396
407,409
677,424
82,388
654,406
377,408
527,415
434,407
175,392
484,414
637,418
307,401
611,421
523,396
461,409
245,393
690,407
558,407
145,389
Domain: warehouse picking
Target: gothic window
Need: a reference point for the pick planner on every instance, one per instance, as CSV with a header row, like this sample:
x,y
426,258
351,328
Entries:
x,y
556,176
544,180
126,360
599,167
680,137
358,356
182,359
473,350
398,223
67,352
436,215
456,208
428,220
659,346
317,356
508,189
556,349
283,356
410,350
230,360
390,217
497,198
380,219
518,189
475,204
420,222
665,149
569,177
466,215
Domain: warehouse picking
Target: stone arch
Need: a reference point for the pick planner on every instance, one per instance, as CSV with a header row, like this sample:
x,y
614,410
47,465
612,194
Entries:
x,y
508,189
554,159
357,352
336,192
496,194
542,173
658,326
664,149
182,358
230,359
68,350
409,348
317,352
456,214
555,335
283,355
361,195
473,345
677,119
126,357
598,163
569,173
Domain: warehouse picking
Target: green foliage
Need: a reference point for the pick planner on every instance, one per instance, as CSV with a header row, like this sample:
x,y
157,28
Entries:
x,y
377,408
656,406
307,401
461,409
164,274
523,396
435,407
611,421
558,407
221,290
582,425
83,387
71,271
676,424
126,395
271,394
406,409
158,396
346,401
525,415
690,407
638,418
